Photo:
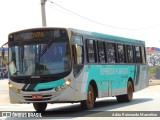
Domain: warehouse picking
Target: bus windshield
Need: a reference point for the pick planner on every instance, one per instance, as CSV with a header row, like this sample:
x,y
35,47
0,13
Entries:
x,y
41,59
39,53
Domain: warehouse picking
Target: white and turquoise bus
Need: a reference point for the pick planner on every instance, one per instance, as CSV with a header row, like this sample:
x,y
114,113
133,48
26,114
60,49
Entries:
x,y
64,65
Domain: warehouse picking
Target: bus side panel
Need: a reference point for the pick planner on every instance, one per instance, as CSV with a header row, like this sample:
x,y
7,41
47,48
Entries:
x,y
123,73
111,80
89,73
80,86
141,77
96,73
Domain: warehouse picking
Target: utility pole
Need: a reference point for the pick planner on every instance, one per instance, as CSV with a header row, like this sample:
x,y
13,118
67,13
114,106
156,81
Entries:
x,y
43,12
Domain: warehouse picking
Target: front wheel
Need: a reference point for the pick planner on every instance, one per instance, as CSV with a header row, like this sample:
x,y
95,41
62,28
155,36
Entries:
x,y
89,103
40,107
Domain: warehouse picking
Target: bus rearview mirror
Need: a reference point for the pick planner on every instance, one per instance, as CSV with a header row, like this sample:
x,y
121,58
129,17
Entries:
x,y
3,54
74,49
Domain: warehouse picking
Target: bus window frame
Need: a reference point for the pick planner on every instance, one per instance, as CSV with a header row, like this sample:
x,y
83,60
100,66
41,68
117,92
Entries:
x,y
77,68
75,45
133,57
115,51
143,54
136,59
94,51
104,51
124,53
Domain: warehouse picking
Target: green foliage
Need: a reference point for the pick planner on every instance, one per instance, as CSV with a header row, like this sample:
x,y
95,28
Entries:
x,y
152,69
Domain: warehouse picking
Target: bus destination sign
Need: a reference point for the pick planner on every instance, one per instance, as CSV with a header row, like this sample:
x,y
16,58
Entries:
x,y
37,35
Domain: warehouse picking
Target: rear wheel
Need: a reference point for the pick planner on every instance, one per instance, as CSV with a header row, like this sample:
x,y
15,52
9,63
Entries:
x,y
40,106
89,103
129,96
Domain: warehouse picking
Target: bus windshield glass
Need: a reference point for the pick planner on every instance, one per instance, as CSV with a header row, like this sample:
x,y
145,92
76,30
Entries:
x,y
47,56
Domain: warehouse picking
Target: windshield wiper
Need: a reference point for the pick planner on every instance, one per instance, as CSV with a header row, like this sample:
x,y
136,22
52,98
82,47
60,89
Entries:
x,y
46,47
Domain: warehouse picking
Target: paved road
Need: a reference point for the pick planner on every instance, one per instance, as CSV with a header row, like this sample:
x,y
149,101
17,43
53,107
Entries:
x,y
4,91
145,100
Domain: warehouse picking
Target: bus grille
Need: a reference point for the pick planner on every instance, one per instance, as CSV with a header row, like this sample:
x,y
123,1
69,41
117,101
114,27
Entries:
x,y
38,99
37,90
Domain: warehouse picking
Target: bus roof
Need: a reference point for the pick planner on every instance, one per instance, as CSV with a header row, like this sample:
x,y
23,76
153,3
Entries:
x,y
94,34
110,37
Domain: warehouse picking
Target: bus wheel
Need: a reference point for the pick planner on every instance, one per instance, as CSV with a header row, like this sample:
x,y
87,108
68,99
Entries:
x,y
40,106
129,96
89,103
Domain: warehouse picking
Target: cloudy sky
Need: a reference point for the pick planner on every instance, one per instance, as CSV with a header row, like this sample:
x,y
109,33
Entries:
x,y
137,19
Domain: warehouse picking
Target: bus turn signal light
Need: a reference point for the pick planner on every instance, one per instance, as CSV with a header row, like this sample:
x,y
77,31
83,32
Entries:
x,y
68,82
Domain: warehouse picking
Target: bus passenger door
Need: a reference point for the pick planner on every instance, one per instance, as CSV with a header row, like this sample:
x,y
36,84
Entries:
x,y
143,79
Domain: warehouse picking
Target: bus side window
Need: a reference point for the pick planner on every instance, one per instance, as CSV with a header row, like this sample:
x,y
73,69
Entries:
x,y
111,53
91,52
138,54
143,51
78,54
130,54
121,53
101,52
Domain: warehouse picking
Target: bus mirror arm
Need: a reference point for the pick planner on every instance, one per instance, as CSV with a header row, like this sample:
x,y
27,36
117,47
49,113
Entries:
x,y
3,54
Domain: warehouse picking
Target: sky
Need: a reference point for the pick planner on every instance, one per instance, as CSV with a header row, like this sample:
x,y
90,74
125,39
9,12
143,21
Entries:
x,y
137,19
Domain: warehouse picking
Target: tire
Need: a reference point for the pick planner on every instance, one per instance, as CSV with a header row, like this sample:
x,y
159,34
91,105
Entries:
x,y
89,103
129,96
40,107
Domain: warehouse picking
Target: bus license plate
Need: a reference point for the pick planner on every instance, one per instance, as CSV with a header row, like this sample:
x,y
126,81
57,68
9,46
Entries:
x,y
37,96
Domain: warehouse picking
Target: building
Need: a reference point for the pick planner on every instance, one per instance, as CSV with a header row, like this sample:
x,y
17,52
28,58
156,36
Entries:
x,y
153,56
152,50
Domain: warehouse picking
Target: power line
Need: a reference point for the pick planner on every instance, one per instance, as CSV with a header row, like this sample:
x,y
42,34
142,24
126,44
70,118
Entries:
x,y
88,19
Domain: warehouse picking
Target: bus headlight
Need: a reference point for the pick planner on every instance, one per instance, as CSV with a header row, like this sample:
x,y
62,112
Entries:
x,y
68,82
10,85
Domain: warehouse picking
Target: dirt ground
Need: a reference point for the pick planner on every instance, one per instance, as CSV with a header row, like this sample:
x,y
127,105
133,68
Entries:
x,y
154,82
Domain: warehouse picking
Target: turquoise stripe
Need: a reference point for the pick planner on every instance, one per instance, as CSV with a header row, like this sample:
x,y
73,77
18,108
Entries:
x,y
118,38
48,85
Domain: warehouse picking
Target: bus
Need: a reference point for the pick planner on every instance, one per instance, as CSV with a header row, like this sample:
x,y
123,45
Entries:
x,y
67,65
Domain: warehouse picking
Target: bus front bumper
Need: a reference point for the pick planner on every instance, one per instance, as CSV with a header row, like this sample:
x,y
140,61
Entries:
x,y
50,96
